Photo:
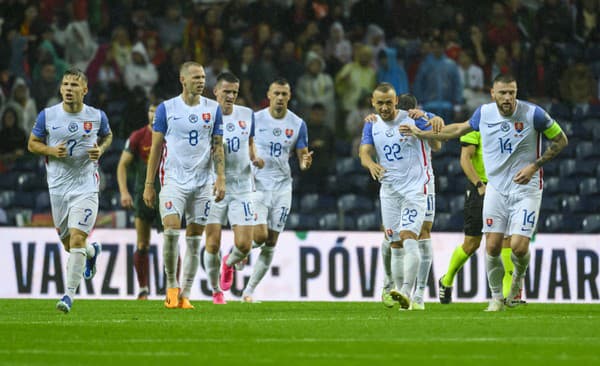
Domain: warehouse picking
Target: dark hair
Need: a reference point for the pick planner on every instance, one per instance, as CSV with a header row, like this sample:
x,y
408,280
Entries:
x,y
228,77
384,87
77,73
504,78
407,101
317,106
280,81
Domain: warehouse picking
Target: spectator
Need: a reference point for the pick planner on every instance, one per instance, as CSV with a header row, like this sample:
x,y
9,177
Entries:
x,y
217,65
22,102
140,72
438,86
156,54
265,72
80,46
171,26
46,87
168,84
472,80
553,21
577,86
338,49
501,64
391,71
289,66
297,16
247,72
120,47
375,38
501,31
322,142
316,86
103,68
13,137
587,17
355,78
356,119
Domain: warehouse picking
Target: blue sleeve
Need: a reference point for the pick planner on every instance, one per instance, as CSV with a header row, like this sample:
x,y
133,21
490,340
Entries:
x,y
541,120
430,115
302,137
252,126
39,129
421,123
104,127
367,135
474,120
218,127
160,119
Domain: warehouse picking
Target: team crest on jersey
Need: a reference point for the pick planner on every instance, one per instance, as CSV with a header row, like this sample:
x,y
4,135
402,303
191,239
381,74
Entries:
x,y
87,126
73,127
193,118
206,117
505,127
277,131
289,132
230,127
242,124
489,221
168,205
389,133
519,126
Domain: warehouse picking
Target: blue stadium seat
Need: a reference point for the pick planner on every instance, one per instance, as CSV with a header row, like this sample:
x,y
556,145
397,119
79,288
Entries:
x,y
550,204
313,202
25,165
589,186
9,180
572,167
586,150
441,203
563,185
24,200
454,167
42,201
329,221
441,183
445,221
293,221
552,168
559,223
348,165
591,224
577,205
362,182
6,199
27,182
352,203
369,222
457,205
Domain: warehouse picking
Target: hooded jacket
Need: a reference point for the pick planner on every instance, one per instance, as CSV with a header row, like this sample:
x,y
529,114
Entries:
x,y
143,75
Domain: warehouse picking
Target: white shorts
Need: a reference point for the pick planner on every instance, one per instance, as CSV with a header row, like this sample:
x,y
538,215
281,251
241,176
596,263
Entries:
x,y
511,214
74,212
272,208
430,212
238,208
195,204
403,213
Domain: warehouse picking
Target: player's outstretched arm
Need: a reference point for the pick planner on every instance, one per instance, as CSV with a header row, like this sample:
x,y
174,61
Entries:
x,y
219,163
124,162
559,142
449,132
153,159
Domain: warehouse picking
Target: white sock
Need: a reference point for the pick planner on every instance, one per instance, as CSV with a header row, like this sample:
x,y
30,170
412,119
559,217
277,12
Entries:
x,y
235,256
211,265
386,255
262,264
495,273
256,245
190,264
412,258
90,251
397,267
426,251
75,266
170,256
521,264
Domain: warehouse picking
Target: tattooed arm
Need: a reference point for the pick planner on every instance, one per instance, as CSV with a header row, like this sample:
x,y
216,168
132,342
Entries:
x,y
559,142
218,156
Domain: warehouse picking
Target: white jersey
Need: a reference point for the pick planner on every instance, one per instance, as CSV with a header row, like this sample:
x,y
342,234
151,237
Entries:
x,y
511,143
238,127
75,173
188,132
275,139
403,157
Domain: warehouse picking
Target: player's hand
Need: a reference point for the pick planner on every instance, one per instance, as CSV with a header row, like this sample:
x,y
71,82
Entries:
x,y
377,171
481,190
126,200
416,113
409,130
436,123
258,162
95,152
525,174
371,118
60,150
149,195
306,160
219,188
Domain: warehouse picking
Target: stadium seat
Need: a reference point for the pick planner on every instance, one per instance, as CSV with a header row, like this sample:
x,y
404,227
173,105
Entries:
x,y
25,165
441,203
550,204
352,203
42,201
370,221
363,183
591,224
348,165
560,111
559,223
552,168
577,205
572,167
589,186
329,221
556,185
454,167
24,200
586,150
29,181
441,183
6,199
293,221
314,202
445,221
9,180
456,205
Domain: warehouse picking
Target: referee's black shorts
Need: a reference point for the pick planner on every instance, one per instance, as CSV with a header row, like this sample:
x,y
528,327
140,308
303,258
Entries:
x,y
473,211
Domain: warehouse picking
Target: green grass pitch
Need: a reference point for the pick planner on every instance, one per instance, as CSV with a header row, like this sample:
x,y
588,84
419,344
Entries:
x,y
131,333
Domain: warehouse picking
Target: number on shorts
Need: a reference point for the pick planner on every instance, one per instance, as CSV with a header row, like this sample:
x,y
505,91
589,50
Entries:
x,y
248,211
88,212
284,214
528,218
408,216
206,208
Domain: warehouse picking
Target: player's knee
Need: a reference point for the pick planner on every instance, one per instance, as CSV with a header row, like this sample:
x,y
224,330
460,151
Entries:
x,y
212,247
261,237
471,244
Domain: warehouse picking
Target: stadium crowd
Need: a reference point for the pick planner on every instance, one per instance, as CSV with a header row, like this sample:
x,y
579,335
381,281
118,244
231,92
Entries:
x,y
333,53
